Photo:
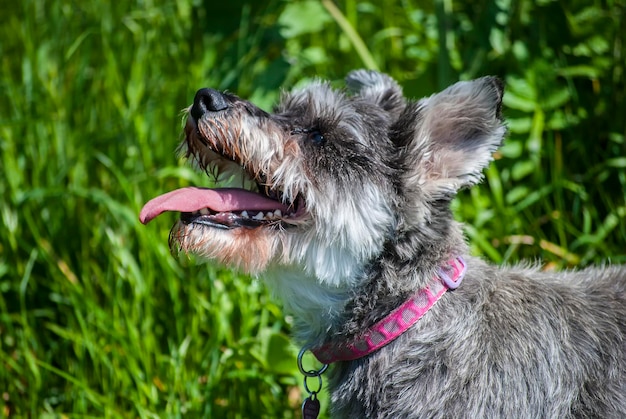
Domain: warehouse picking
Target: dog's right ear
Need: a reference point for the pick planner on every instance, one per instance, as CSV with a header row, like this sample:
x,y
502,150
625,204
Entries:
x,y
446,140
377,88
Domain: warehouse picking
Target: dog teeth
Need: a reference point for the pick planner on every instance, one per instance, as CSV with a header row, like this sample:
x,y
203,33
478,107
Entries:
x,y
259,216
262,216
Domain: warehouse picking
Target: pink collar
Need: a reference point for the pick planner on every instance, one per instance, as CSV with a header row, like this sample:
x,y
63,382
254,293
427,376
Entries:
x,y
398,321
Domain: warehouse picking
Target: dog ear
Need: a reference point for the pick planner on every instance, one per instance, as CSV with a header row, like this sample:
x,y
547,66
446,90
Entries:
x,y
377,88
449,138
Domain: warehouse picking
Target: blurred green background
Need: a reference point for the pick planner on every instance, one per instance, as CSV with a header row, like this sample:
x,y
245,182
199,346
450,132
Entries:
x,y
97,319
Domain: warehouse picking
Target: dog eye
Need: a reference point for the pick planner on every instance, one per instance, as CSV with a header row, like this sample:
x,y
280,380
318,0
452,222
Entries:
x,y
316,137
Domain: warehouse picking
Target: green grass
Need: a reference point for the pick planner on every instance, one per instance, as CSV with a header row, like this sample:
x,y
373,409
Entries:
x,y
97,319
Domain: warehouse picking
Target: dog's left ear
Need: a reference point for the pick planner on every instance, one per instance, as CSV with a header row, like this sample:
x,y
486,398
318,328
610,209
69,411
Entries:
x,y
377,88
449,138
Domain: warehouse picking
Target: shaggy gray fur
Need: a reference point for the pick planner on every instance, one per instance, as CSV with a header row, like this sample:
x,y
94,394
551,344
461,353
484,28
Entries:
x,y
369,176
509,343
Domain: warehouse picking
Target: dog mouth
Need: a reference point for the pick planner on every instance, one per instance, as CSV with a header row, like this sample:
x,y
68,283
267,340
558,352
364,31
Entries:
x,y
223,208
252,206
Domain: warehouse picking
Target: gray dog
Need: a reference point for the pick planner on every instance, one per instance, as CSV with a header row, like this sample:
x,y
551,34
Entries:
x,y
342,206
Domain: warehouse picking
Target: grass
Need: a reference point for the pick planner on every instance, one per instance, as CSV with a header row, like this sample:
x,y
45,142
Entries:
x,y
97,319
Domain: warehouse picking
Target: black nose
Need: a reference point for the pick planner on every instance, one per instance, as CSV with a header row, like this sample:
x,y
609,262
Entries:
x,y
207,100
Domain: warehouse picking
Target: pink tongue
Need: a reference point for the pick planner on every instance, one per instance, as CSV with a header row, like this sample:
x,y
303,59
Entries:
x,y
219,200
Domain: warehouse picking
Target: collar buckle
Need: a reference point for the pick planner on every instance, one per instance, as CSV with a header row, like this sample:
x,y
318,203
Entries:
x,y
453,273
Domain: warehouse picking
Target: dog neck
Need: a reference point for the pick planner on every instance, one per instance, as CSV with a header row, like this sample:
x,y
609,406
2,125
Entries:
x,y
314,307
398,321
323,312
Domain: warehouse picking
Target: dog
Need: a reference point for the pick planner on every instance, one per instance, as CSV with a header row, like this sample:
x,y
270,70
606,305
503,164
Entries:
x,y
340,200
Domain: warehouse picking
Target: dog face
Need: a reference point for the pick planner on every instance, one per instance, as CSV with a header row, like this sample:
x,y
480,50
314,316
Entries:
x,y
331,177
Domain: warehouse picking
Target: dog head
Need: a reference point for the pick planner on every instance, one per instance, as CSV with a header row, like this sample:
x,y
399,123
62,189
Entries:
x,y
331,177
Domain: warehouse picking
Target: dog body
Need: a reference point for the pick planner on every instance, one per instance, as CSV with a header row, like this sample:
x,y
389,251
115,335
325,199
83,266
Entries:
x,y
343,208
514,343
